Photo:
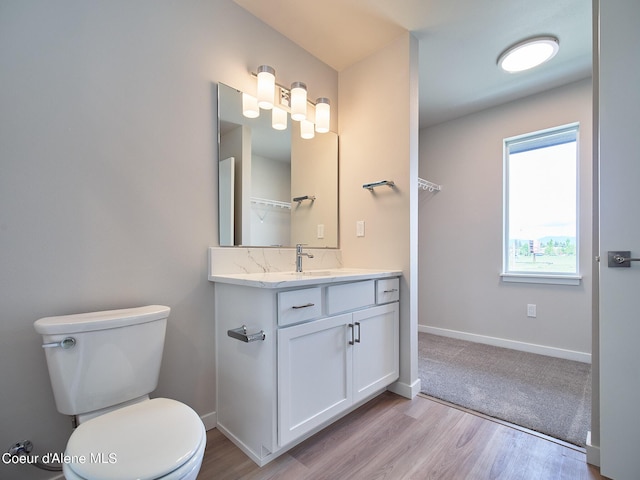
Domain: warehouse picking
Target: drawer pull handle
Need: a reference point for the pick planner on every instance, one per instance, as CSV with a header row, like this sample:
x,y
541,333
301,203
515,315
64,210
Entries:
x,y
359,332
390,291
241,334
352,341
298,307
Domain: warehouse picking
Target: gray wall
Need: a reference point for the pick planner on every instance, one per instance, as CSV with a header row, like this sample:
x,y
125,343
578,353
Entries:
x,y
108,186
382,144
460,234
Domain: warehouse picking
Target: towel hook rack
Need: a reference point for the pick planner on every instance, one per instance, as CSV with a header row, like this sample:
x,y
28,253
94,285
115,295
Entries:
x,y
427,185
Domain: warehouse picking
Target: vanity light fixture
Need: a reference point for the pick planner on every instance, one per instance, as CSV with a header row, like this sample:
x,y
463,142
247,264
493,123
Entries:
x,y
282,101
266,86
250,107
528,53
298,101
323,115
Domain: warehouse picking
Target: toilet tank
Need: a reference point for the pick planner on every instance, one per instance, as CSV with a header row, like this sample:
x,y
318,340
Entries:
x,y
116,356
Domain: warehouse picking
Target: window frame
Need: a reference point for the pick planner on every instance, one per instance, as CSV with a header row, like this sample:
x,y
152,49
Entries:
x,y
558,278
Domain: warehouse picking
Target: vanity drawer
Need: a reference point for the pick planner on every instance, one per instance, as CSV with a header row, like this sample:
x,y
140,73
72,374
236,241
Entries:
x,y
387,290
350,296
297,306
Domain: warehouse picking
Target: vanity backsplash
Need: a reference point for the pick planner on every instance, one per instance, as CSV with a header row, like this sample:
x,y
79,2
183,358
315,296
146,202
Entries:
x,y
225,260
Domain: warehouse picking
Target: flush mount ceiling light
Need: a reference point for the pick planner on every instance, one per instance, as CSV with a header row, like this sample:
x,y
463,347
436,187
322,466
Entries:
x,y
528,53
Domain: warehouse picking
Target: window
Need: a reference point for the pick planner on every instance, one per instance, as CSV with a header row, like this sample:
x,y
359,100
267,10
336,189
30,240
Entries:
x,y
540,206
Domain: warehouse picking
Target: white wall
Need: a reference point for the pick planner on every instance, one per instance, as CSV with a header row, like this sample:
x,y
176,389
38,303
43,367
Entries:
x,y
460,233
108,187
378,141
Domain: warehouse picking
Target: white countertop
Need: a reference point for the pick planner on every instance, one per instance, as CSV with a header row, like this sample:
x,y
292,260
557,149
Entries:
x,y
310,277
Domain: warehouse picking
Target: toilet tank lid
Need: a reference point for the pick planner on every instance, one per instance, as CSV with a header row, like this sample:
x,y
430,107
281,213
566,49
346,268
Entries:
x,y
87,322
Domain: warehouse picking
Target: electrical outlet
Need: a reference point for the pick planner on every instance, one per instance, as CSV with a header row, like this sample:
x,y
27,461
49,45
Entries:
x,y
531,310
360,228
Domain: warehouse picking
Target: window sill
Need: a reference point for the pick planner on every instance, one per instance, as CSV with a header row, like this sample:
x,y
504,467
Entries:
x,y
545,279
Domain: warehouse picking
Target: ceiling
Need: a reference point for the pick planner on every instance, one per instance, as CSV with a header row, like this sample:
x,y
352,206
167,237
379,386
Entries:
x,y
459,42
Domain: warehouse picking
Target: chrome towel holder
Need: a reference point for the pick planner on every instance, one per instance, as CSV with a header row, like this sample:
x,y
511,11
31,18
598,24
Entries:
x,y
242,335
371,186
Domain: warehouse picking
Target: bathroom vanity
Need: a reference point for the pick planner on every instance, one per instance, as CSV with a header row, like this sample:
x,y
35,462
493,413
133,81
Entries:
x,y
295,351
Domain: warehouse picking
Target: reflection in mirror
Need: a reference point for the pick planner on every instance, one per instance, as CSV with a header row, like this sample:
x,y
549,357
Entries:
x,y
261,170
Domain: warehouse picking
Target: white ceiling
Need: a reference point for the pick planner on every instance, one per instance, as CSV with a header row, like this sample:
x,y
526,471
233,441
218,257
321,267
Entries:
x,y
459,42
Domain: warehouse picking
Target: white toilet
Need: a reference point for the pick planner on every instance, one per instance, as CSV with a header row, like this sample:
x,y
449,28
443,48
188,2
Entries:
x,y
102,367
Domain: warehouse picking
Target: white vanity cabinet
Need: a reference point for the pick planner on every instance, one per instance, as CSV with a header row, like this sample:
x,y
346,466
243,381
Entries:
x,y
327,348
326,366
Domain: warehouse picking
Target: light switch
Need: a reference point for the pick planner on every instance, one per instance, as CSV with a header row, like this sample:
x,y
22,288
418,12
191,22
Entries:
x,y
320,230
360,228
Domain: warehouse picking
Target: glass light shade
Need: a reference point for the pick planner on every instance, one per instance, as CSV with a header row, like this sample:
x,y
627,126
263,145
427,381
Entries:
x,y
279,118
266,86
298,101
306,129
250,106
528,54
323,115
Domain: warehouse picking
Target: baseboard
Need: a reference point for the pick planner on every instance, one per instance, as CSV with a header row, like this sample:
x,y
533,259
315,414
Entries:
x,y
512,344
593,452
404,389
242,446
210,420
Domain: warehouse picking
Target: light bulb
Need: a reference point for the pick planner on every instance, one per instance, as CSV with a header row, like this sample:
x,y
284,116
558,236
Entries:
x,y
279,118
266,86
306,129
250,106
323,115
298,101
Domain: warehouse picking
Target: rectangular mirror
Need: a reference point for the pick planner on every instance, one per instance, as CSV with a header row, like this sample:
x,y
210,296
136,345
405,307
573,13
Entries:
x,y
275,188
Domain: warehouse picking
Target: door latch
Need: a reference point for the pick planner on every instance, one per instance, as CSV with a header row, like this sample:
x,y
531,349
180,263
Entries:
x,y
620,258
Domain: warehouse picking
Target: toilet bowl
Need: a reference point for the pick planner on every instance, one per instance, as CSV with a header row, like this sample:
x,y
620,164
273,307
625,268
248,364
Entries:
x,y
159,439
102,367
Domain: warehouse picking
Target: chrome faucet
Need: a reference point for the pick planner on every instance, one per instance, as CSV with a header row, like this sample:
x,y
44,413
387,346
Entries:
x,y
299,255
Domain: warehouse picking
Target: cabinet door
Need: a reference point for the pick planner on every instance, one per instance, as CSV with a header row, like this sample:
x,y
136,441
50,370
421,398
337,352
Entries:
x,y
376,360
314,374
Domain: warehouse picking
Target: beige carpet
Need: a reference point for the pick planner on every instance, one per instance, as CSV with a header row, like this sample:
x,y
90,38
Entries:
x,y
546,394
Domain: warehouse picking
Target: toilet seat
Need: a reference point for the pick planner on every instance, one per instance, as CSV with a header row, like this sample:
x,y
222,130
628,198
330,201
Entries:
x,y
154,439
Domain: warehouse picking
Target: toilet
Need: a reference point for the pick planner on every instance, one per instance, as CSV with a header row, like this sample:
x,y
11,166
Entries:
x,y
102,367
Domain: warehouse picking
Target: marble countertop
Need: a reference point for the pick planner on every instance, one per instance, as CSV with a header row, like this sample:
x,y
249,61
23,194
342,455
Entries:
x,y
306,278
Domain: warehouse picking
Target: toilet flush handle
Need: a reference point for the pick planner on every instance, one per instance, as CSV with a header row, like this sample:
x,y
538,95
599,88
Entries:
x,y
65,343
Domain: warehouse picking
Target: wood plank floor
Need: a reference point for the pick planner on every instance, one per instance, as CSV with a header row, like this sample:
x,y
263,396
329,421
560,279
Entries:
x,y
393,438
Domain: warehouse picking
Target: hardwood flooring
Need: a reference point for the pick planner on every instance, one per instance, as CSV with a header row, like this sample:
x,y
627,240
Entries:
x,y
394,438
